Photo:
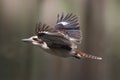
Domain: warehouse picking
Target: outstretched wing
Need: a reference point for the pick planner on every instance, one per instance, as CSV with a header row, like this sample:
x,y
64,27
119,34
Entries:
x,y
68,25
41,28
45,29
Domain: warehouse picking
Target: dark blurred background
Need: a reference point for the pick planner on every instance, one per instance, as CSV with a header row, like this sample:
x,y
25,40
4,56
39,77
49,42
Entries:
x,y
100,24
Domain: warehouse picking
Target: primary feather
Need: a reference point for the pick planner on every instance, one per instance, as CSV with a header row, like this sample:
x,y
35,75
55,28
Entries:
x,y
69,25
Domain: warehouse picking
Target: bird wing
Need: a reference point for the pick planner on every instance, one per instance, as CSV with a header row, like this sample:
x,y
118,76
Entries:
x,y
44,28
52,37
68,25
55,41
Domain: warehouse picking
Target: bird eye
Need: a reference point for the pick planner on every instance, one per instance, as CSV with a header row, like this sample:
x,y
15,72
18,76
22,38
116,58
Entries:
x,y
35,39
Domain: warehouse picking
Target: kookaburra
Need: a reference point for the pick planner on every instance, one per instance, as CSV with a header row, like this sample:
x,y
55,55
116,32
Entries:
x,y
61,40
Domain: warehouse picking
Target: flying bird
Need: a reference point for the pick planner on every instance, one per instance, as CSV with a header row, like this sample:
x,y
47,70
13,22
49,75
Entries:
x,y
62,40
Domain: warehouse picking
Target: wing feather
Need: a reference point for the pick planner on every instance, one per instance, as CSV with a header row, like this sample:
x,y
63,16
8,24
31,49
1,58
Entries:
x,y
68,24
43,28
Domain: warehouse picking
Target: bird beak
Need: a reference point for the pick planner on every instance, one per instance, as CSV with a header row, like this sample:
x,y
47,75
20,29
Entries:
x,y
27,40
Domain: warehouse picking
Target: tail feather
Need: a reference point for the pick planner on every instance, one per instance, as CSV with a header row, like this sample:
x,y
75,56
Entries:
x,y
82,54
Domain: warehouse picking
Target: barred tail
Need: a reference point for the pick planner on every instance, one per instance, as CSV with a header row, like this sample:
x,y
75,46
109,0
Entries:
x,y
84,55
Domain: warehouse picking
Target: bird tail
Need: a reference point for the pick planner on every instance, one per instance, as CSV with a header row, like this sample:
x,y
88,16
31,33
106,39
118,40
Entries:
x,y
79,54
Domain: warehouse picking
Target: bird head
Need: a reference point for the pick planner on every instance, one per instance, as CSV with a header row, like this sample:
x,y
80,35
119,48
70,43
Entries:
x,y
36,41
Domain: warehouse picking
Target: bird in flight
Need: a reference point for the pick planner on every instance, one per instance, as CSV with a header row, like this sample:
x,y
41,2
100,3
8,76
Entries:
x,y
61,40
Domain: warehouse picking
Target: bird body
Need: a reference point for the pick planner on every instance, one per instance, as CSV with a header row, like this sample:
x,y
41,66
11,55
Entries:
x,y
61,40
